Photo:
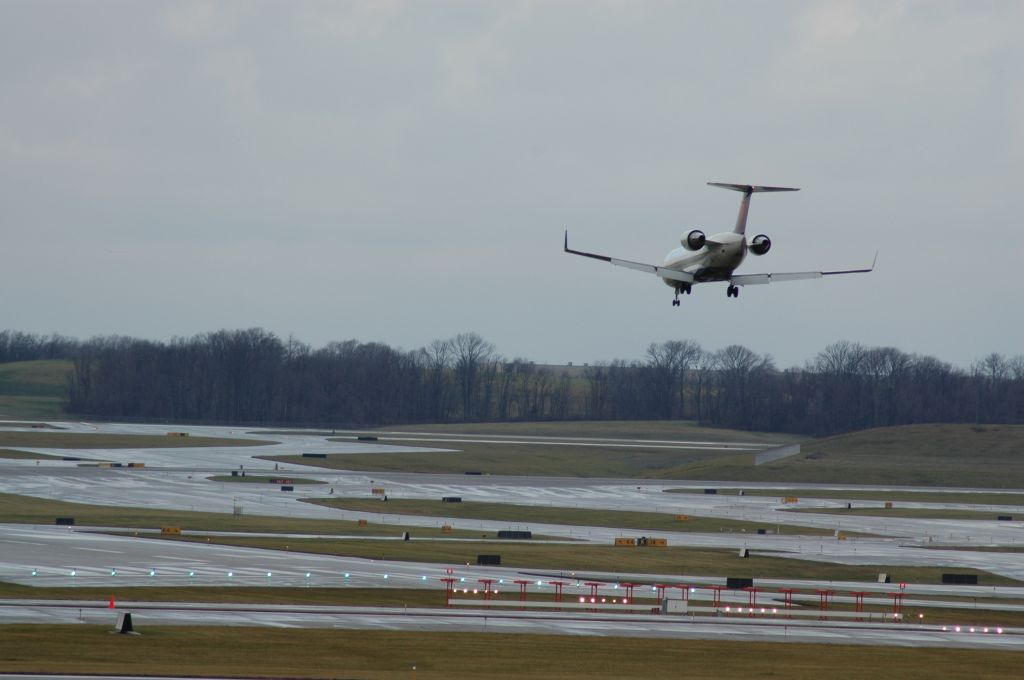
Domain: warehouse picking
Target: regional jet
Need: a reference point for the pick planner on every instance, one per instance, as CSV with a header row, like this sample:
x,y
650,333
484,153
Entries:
x,y
703,259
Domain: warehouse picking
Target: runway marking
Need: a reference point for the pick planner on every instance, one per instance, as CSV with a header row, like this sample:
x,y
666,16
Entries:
x,y
22,542
100,550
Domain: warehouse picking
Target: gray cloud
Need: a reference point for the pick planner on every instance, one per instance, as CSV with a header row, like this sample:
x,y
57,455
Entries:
x,y
403,171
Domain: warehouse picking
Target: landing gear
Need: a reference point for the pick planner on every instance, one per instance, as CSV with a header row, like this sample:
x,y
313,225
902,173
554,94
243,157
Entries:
x,y
732,291
681,288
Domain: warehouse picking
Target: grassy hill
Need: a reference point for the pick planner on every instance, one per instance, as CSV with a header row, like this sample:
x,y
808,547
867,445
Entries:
x,y
33,389
924,455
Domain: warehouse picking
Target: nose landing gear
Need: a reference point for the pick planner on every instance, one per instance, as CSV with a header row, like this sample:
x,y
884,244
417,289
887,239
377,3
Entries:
x,y
732,291
681,288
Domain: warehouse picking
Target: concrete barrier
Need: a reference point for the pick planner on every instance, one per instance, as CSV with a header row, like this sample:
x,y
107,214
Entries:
x,y
777,453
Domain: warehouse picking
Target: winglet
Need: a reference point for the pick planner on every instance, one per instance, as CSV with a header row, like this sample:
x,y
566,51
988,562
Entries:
x,y
566,240
856,271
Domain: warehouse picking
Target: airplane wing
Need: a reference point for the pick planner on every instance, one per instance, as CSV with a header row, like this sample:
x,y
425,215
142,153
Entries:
x,y
663,272
756,279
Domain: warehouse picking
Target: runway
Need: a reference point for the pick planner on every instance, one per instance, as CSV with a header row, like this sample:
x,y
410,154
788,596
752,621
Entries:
x,y
545,623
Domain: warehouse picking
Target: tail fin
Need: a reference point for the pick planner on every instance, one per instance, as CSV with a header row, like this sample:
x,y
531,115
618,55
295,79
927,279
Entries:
x,y
747,189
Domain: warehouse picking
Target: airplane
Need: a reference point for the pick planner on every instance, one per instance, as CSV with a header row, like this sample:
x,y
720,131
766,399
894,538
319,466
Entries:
x,y
703,259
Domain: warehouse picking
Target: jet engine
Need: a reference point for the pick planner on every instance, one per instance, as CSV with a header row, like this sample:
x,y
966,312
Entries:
x,y
760,245
694,240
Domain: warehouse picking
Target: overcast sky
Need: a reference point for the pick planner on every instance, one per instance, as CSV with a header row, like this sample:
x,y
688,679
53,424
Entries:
x,y
404,171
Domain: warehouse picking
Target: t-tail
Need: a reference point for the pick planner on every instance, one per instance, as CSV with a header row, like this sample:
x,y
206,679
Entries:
x,y
747,189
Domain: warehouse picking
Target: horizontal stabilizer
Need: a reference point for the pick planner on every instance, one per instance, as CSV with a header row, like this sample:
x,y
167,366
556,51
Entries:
x,y
749,188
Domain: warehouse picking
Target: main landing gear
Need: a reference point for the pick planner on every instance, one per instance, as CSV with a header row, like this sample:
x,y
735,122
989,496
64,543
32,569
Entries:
x,y
681,288
732,291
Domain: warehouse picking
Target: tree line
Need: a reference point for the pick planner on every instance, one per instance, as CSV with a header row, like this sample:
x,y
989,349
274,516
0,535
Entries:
x,y
253,376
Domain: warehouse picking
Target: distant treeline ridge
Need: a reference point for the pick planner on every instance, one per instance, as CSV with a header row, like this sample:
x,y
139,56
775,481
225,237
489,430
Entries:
x,y
252,376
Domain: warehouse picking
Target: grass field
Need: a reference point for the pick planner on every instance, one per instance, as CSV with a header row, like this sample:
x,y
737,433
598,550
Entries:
x,y
987,456
88,440
914,455
525,514
42,408
378,655
33,389
34,378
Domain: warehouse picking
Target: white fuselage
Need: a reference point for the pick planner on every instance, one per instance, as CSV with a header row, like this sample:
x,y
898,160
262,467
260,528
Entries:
x,y
715,261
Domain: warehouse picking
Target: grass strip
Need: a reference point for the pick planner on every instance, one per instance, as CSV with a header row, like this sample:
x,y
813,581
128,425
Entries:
x,y
377,655
676,430
973,498
524,514
519,459
356,597
95,440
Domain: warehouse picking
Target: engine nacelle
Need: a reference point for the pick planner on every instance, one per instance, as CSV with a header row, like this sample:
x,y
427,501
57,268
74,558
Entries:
x,y
694,240
760,245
